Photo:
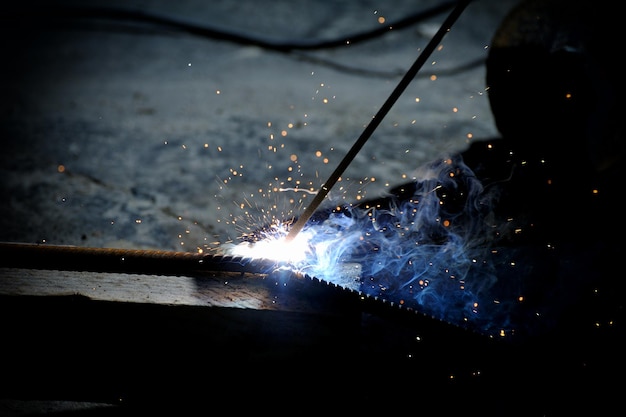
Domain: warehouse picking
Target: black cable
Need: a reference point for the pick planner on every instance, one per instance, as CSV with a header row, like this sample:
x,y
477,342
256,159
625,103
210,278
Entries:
x,y
45,15
118,14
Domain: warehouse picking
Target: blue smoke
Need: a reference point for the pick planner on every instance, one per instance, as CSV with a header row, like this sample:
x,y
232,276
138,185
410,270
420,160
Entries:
x,y
437,246
501,248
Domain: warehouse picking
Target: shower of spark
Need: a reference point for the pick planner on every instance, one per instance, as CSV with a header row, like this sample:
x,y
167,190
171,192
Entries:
x,y
425,250
433,245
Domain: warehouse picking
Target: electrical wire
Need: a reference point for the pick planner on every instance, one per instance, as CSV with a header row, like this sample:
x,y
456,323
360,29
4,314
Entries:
x,y
141,16
45,15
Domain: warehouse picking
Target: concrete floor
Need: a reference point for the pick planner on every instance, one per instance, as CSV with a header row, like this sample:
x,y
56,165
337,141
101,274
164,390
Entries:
x,y
126,134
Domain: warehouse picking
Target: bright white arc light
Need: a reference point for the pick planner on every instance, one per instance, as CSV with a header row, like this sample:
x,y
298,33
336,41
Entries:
x,y
277,249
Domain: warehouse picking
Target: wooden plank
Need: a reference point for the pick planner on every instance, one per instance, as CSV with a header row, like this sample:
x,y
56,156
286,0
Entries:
x,y
161,277
286,292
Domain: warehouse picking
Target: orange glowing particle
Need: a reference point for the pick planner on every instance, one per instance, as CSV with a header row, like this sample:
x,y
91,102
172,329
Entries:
x,y
318,153
433,77
455,109
568,95
61,168
381,20
293,157
595,191
283,133
325,160
446,223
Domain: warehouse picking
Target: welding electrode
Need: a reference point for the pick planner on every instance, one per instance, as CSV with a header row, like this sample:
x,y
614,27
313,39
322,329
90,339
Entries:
x,y
371,127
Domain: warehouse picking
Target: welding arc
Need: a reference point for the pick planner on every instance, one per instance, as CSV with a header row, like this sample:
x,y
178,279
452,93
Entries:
x,y
371,127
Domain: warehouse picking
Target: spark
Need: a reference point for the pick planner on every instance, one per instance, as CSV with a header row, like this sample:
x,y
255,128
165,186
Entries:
x,y
297,190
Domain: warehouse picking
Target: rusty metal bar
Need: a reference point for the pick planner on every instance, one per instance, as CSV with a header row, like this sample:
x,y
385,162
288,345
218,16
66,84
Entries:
x,y
141,261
